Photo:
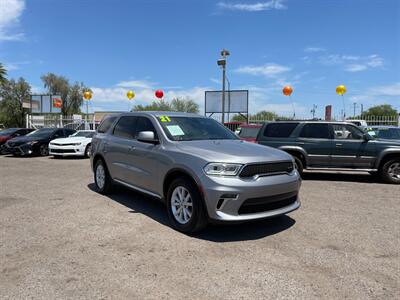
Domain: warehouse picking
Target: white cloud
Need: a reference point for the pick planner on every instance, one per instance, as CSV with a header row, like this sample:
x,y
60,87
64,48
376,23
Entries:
x,y
386,90
12,66
314,49
10,13
355,68
350,63
142,84
259,6
269,70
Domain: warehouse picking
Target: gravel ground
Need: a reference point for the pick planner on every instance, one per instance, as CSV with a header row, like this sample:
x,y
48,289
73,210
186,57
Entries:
x,y
62,240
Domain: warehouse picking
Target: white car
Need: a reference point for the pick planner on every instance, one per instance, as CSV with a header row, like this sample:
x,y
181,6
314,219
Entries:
x,y
78,144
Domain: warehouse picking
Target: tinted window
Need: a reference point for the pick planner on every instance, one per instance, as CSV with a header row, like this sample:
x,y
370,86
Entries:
x,y
279,130
249,132
144,124
125,127
7,132
43,132
347,132
315,131
106,124
68,132
194,128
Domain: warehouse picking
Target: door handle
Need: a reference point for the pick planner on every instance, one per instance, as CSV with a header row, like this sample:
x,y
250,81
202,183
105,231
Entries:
x,y
339,145
131,148
105,147
302,143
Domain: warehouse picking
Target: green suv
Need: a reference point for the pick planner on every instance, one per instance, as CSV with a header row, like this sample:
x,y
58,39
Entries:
x,y
318,145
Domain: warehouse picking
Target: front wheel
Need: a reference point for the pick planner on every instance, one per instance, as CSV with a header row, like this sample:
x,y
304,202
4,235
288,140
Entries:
x,y
88,150
390,171
44,150
186,210
299,165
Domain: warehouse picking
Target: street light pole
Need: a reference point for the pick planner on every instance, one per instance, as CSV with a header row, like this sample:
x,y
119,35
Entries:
x,y
222,62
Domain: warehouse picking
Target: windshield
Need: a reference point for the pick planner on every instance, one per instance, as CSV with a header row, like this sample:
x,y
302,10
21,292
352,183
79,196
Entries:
x,y
249,132
7,132
194,129
385,133
44,132
87,134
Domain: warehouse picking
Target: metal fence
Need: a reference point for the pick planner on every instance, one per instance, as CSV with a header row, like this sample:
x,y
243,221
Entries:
x,y
76,122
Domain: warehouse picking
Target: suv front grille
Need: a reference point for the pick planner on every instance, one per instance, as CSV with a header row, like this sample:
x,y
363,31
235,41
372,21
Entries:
x,y
267,169
262,204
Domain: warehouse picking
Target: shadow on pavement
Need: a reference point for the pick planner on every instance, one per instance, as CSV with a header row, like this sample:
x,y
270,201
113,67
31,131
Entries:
x,y
349,177
155,209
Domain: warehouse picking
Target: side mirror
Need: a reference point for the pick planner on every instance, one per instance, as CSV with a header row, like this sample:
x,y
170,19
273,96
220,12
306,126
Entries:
x,y
147,137
367,137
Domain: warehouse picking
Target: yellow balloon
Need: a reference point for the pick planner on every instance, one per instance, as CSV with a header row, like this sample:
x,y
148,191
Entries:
x,y
87,95
340,90
130,95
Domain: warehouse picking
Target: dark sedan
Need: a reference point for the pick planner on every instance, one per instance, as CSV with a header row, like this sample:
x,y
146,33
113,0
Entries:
x,y
37,142
10,133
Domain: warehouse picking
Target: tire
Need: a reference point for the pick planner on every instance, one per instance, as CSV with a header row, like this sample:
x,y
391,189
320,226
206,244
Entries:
x,y
187,218
390,171
44,150
102,178
88,150
299,165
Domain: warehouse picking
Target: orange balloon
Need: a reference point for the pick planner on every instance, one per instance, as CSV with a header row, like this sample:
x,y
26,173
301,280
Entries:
x,y
287,90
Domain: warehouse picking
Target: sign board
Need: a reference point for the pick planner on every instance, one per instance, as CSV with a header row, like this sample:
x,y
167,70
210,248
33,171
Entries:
x,y
236,101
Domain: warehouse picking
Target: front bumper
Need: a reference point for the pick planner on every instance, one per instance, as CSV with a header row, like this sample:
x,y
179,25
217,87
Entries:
x,y
268,191
77,150
24,149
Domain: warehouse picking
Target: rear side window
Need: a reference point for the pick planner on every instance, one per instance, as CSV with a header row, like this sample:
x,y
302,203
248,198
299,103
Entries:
x,y
106,124
315,131
249,132
125,127
279,130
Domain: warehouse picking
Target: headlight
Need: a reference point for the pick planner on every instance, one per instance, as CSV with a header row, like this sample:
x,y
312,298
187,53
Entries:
x,y
32,142
222,169
76,144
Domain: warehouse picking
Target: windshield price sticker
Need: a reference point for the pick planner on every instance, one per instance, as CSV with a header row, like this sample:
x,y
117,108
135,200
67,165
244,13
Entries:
x,y
175,130
165,119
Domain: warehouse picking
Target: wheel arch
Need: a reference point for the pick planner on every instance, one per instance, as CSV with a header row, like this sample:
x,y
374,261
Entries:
x,y
176,173
386,156
300,153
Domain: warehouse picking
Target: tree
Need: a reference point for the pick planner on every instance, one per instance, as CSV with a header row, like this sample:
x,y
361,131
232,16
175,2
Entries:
x,y
184,105
259,116
3,74
381,110
14,94
177,104
71,95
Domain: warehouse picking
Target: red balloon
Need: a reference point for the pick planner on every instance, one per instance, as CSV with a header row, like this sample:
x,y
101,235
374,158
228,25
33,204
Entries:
x,y
287,90
159,94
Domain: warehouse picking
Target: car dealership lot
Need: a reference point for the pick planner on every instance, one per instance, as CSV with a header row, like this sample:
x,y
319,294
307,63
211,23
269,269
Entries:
x,y
60,239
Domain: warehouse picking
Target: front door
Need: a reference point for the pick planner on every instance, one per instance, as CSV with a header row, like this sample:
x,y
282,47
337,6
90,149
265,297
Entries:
x,y
316,140
350,149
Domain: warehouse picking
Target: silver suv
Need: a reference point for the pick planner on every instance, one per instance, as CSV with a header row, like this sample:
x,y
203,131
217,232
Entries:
x,y
200,169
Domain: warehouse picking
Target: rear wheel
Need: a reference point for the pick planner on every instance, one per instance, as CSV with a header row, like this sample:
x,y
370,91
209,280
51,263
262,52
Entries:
x,y
186,210
390,171
102,178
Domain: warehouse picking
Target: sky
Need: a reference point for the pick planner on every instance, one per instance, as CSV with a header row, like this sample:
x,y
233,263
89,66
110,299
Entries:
x,y
113,46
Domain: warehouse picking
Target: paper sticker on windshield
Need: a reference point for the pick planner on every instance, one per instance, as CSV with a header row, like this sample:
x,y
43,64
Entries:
x,y
165,119
175,130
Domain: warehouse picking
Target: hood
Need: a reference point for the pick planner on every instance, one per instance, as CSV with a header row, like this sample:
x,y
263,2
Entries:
x,y
69,140
25,139
233,151
387,142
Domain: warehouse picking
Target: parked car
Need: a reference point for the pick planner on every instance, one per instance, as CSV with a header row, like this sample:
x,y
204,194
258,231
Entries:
x,y
360,123
334,146
78,144
384,132
36,142
249,132
200,169
10,133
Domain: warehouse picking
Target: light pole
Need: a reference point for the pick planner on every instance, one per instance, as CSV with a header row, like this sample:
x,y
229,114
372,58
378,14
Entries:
x,y
222,62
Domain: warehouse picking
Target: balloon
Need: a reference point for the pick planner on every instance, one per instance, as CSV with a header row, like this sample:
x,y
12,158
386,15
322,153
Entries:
x,y
287,90
130,95
87,95
340,90
159,94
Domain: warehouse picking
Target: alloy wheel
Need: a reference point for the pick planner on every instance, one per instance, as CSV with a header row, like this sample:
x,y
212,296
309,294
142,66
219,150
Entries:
x,y
181,205
100,176
394,170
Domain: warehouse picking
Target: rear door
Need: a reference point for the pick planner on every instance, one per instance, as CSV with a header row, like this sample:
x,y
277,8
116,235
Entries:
x,y
277,134
316,139
350,150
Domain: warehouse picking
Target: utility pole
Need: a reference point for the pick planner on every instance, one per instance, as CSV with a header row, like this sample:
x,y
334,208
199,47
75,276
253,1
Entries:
x,y
362,109
313,110
222,62
355,107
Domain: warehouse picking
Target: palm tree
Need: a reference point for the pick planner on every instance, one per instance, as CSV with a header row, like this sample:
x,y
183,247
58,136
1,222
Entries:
x,y
3,74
